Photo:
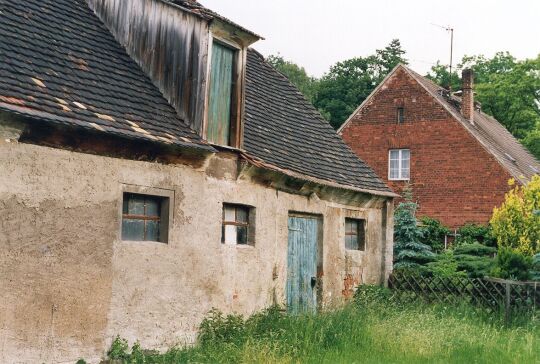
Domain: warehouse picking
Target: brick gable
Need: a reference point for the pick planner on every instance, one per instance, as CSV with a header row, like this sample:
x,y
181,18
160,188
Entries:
x,y
454,178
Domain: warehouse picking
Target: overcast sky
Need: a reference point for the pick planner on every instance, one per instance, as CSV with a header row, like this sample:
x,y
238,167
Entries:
x,y
318,33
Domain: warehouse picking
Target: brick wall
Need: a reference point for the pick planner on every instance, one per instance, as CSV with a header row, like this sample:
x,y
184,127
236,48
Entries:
x,y
453,177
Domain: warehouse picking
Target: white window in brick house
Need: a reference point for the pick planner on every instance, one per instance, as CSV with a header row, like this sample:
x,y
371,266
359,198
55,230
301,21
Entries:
x,y
399,164
145,217
355,234
237,224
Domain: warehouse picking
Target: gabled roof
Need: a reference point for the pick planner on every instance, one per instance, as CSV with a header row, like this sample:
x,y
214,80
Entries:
x,y
491,134
61,65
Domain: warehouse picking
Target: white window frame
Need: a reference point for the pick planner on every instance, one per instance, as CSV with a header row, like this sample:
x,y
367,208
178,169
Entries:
x,y
401,167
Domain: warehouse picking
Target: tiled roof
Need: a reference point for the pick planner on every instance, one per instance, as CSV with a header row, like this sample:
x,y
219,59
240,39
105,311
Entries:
x,y
510,153
60,64
283,129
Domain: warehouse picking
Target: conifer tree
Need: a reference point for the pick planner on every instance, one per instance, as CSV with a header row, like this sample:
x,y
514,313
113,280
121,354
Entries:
x,y
409,251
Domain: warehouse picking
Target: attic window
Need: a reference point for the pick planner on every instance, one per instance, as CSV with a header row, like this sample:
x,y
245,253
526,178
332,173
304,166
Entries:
x,y
400,115
222,118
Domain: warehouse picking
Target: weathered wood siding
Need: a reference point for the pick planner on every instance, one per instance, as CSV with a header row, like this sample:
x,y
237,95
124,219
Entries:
x,y
170,45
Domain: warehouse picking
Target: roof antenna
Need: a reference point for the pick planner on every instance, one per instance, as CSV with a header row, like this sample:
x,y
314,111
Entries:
x,y
451,30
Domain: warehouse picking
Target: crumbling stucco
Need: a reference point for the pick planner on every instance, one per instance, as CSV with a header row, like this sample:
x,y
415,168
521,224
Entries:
x,y
70,284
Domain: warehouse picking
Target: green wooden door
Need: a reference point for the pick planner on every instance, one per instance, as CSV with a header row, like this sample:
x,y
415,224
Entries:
x,y
302,265
220,95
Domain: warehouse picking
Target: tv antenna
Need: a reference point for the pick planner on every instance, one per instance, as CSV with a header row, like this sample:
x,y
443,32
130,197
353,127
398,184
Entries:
x,y
451,30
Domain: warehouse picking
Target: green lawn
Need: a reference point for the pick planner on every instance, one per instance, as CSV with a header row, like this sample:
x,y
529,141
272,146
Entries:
x,y
370,330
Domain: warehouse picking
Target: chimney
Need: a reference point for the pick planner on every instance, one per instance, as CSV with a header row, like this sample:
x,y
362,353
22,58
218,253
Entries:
x,y
467,96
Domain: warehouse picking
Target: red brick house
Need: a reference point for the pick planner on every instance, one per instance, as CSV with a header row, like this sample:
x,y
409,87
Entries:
x,y
457,159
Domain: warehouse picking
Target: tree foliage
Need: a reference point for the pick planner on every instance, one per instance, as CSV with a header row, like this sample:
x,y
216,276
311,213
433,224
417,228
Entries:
x,y
433,233
350,82
446,265
409,251
516,223
475,233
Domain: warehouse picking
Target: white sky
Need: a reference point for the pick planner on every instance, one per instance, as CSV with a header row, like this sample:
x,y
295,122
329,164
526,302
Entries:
x,y
317,33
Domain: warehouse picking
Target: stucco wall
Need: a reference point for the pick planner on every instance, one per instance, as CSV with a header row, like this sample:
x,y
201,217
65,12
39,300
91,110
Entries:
x,y
69,284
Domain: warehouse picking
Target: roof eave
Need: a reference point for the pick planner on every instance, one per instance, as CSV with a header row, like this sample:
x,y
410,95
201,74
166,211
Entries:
x,y
258,163
31,115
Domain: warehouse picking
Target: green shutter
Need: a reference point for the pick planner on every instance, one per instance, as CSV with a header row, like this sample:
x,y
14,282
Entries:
x,y
220,97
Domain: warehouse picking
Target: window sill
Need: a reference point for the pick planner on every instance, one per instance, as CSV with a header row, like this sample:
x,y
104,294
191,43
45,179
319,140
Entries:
x,y
399,179
227,147
239,246
144,242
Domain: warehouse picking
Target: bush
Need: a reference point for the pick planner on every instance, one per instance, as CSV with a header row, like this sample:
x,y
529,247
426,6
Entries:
x,y
475,249
476,267
516,223
218,327
475,259
474,233
119,349
446,266
368,295
433,233
512,265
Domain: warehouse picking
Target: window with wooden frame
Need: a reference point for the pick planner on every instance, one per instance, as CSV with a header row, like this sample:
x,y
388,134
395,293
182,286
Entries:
x,y
237,225
355,234
400,113
399,164
145,217
222,116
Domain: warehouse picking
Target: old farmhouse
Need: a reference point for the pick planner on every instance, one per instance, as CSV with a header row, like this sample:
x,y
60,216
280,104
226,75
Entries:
x,y
457,159
153,166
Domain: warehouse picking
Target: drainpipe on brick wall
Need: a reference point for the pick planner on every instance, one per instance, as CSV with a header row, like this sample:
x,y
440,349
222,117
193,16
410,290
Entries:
x,y
467,96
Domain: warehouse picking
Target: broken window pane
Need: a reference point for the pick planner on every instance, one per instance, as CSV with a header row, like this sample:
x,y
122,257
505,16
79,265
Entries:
x,y
230,234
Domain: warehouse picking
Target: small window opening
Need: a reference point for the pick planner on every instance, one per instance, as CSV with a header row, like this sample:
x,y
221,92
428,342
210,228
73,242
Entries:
x,y
144,218
236,225
355,235
400,115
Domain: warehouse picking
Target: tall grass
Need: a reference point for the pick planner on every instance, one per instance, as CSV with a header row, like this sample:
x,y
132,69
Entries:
x,y
373,329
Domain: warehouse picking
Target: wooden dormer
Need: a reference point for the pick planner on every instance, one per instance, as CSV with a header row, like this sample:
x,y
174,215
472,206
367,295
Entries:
x,y
194,56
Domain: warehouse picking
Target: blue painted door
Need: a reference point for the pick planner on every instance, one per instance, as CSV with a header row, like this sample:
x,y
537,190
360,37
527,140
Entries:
x,y
302,265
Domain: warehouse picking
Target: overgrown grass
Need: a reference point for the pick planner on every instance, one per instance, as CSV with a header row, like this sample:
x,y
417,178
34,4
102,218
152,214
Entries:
x,y
374,329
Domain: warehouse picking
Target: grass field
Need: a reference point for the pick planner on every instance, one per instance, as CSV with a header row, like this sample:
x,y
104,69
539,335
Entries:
x,y
370,330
